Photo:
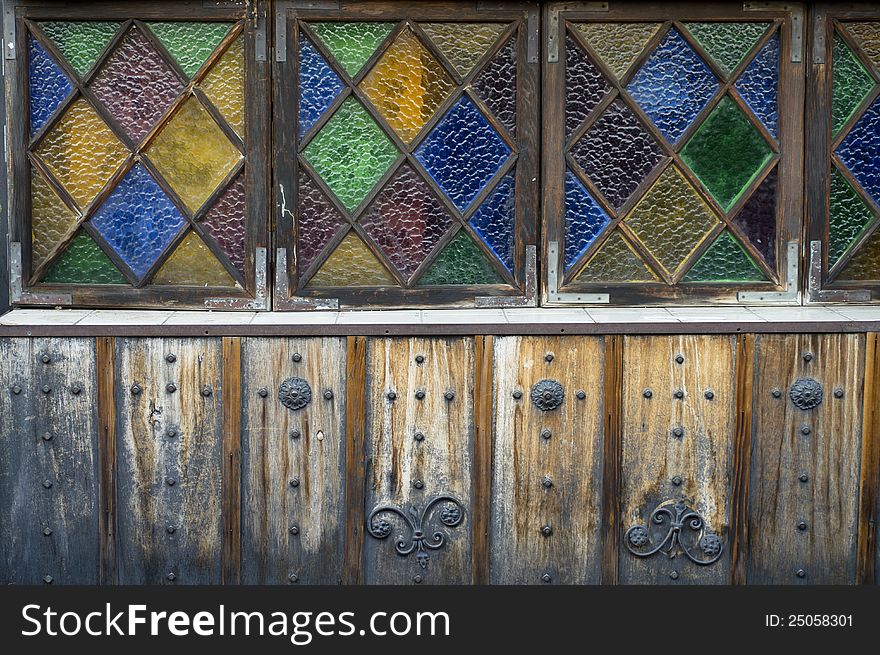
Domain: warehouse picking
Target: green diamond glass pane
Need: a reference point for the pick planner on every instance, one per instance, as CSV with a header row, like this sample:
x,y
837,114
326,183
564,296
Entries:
x,y
727,43
83,262
849,216
725,261
850,83
190,43
726,153
616,261
352,44
865,265
461,262
351,153
80,41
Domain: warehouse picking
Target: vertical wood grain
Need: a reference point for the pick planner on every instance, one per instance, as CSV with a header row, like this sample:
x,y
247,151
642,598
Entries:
x,y
482,465
613,428
868,553
355,435
231,375
742,449
105,348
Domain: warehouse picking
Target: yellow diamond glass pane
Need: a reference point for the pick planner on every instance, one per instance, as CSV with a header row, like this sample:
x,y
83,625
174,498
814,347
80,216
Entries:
x,y
51,219
867,35
352,264
193,154
463,44
865,264
407,85
616,261
618,44
224,85
82,152
193,264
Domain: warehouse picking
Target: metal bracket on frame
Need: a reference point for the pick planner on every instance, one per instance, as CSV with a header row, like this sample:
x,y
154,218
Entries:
x,y
8,30
815,293
819,38
553,23
281,9
19,297
797,23
529,299
791,294
553,293
261,299
283,299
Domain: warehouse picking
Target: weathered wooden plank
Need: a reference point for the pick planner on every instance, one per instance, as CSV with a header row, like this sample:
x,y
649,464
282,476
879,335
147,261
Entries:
x,y
742,451
481,513
659,466
805,463
355,435
231,381
105,356
408,471
169,460
48,462
293,466
547,464
611,458
869,486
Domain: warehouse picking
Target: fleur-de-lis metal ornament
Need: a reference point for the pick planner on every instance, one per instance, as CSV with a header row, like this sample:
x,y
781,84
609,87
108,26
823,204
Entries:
x,y
685,532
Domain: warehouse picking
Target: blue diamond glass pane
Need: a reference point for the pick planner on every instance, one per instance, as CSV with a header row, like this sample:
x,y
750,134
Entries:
x,y
759,83
494,221
673,85
860,151
318,85
47,84
138,220
462,153
584,219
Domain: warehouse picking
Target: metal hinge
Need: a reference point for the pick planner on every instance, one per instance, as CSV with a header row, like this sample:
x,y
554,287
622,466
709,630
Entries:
x,y
9,30
797,23
281,9
791,293
553,23
258,18
815,293
553,293
17,296
260,301
283,299
529,298
819,39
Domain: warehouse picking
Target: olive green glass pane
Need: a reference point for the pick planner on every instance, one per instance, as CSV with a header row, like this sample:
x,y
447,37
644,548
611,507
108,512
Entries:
x,y
224,85
616,261
461,262
352,44
618,44
193,264
727,43
190,43
351,153
83,262
865,265
727,152
849,216
193,154
463,44
867,35
671,219
725,261
80,42
850,83
352,264
51,219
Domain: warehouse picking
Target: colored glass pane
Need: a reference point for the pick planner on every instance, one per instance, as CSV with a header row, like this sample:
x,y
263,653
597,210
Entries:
x,y
496,85
224,222
317,222
48,86
616,261
727,43
584,219
867,35
83,262
860,150
352,44
460,262
757,218
190,43
759,83
849,217
865,265
725,261
318,85
618,44
585,86
224,85
463,44
193,264
850,83
51,219
495,220
80,42
352,264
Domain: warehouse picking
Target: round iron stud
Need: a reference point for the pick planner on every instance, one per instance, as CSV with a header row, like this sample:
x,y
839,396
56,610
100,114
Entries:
x,y
297,357
328,395
293,529
678,432
838,392
547,483
580,394
548,357
16,389
679,394
808,357
801,573
709,395
776,393
546,578
546,434
294,482
449,395
47,484
647,393
676,480
47,388
294,434
803,477
418,436
263,393
170,387
418,484
517,395
674,575
136,389
679,359
46,359
170,358
802,526
170,529
420,394
170,482
546,531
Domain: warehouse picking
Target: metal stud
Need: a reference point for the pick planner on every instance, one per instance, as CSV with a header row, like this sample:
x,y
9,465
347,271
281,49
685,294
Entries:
x,y
171,577
297,357
207,391
170,482
136,389
417,579
709,394
76,389
328,395
805,430
293,529
47,531
48,579
546,434
171,433
647,393
47,436
391,395
263,393
47,388
801,573
676,480
170,358
802,525
418,484
808,357
46,359
418,436
580,394
294,482
547,483
293,577
546,578
517,394
420,359
838,392
776,393
420,394
679,359
16,389
546,531
678,432
548,357
449,395
47,484
803,477
170,387
170,529
679,394
674,575
295,434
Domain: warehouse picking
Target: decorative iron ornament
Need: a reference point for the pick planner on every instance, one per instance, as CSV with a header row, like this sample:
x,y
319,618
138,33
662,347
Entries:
x,y
451,515
806,393
547,395
295,393
685,533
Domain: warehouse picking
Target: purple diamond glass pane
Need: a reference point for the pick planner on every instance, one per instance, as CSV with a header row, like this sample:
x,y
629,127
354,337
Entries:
x,y
759,82
585,86
495,220
757,219
318,85
496,85
584,219
47,84
317,222
860,151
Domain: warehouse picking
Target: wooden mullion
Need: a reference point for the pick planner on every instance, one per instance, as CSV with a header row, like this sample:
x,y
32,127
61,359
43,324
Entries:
x,y
612,458
218,117
355,463
742,452
231,455
481,470
869,478
105,354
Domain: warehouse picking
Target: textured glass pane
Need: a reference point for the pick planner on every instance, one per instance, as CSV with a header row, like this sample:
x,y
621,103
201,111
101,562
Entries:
x,y
463,44
80,42
585,86
318,85
47,84
759,83
317,222
673,86
618,44
406,220
495,220
136,85
860,151
352,44
190,43
83,262
351,153
407,85
461,262
193,264
193,154
850,83
352,264
849,216
671,219
584,219
865,265
82,152
225,222
51,219
616,261
725,261
463,152
867,35
138,220
224,85
496,85
726,153
757,218
617,153
727,43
